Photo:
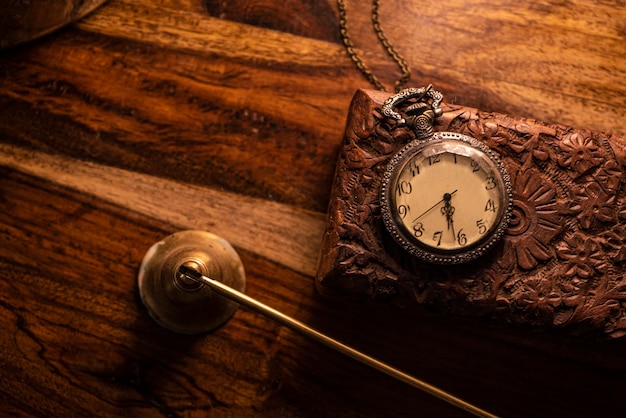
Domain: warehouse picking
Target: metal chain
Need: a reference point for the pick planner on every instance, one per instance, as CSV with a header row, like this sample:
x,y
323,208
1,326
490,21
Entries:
x,y
391,51
358,61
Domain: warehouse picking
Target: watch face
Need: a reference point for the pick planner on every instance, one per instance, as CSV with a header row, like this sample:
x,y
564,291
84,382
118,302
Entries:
x,y
446,200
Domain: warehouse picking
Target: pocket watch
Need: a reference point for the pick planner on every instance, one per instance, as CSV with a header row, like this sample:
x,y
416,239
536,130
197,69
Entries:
x,y
446,198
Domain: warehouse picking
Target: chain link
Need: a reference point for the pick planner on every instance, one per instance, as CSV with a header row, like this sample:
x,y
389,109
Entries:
x,y
391,51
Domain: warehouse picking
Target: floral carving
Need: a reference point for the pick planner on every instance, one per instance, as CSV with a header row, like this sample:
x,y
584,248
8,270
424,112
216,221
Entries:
x,y
621,213
578,152
488,132
535,298
609,176
615,243
518,137
529,140
583,257
536,220
592,204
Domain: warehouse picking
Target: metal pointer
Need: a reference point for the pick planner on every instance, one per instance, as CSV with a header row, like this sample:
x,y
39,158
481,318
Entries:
x,y
434,206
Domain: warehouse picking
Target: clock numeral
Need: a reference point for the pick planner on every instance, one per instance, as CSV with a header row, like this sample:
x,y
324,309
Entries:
x,y
404,187
491,183
475,166
434,159
403,210
437,237
461,238
482,228
415,169
490,206
418,230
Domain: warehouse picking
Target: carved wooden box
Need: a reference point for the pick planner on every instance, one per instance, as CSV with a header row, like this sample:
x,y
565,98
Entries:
x,y
562,261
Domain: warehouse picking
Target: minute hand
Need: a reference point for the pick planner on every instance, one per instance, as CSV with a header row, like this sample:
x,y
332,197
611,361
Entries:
x,y
433,207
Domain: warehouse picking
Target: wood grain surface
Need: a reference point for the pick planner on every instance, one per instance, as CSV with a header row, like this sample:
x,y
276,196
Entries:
x,y
150,117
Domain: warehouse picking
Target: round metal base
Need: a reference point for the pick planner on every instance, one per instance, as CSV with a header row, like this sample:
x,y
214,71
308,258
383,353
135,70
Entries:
x,y
179,303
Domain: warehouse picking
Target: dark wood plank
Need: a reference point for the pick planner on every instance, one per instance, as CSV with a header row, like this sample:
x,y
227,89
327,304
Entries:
x,y
310,19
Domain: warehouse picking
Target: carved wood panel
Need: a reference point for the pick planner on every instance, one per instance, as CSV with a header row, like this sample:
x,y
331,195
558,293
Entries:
x,y
562,260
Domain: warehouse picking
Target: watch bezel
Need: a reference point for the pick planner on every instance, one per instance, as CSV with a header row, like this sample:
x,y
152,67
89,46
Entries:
x,y
394,224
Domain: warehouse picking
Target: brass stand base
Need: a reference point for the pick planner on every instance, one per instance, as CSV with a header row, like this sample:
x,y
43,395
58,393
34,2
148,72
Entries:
x,y
178,303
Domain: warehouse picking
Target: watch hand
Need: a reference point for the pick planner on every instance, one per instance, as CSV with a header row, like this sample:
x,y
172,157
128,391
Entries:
x,y
448,210
433,206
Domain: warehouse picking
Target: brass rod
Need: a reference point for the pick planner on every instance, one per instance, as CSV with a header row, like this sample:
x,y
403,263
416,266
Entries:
x,y
307,331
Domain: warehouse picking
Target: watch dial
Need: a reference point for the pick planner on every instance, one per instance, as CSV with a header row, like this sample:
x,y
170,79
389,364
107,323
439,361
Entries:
x,y
447,198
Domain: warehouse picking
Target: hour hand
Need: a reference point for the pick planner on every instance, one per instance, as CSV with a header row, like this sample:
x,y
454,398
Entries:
x,y
448,210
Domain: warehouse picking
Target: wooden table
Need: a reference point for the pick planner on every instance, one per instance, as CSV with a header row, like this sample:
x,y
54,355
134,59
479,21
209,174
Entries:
x,y
150,117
